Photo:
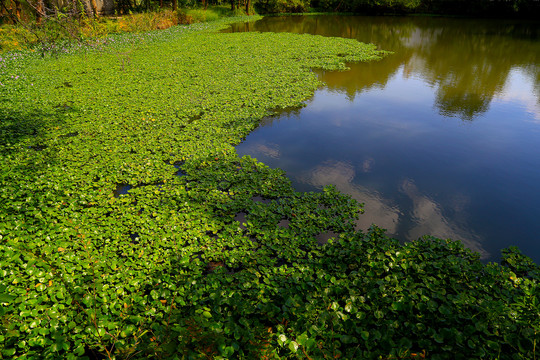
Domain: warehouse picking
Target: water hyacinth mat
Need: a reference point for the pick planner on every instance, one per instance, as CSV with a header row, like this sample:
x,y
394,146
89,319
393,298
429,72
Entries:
x,y
129,227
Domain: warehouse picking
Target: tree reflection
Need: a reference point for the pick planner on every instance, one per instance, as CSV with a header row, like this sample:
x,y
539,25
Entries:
x,y
470,63
467,61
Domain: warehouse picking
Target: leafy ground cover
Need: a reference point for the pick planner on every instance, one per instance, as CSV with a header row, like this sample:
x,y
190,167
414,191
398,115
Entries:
x,y
130,228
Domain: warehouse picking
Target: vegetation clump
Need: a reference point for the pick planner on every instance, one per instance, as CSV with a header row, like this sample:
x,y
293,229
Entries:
x,y
130,228
25,32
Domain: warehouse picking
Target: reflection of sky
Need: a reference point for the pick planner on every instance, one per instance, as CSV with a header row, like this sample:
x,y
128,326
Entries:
x,y
429,219
519,91
416,171
427,214
421,166
264,149
406,92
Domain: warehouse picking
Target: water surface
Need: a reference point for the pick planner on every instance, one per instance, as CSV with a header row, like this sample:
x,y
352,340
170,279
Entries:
x,y
441,138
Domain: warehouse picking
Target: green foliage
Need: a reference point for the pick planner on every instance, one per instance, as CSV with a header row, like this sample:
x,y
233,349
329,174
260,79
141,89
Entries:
x,y
520,264
53,33
201,15
281,6
130,228
523,8
14,38
377,6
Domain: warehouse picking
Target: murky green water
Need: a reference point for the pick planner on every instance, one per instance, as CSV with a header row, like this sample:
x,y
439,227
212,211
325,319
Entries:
x,y
441,138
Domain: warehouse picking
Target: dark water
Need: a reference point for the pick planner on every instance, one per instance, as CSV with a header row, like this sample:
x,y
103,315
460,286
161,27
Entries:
x,y
441,138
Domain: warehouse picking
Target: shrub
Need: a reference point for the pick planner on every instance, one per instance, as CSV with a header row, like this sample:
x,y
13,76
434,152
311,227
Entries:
x,y
14,38
201,15
281,6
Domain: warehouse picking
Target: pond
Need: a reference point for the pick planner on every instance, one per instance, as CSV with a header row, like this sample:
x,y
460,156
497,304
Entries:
x,y
440,138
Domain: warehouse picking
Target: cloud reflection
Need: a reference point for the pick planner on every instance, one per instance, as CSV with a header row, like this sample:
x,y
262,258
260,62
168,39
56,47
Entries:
x,y
367,165
264,148
341,174
427,216
428,219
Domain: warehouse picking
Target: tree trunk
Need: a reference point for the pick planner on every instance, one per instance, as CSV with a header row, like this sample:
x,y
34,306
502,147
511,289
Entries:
x,y
161,4
232,5
248,6
93,5
174,5
40,11
17,9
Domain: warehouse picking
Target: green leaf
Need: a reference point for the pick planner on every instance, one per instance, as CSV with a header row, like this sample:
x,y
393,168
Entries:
x,y
293,346
6,298
8,352
302,339
365,335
